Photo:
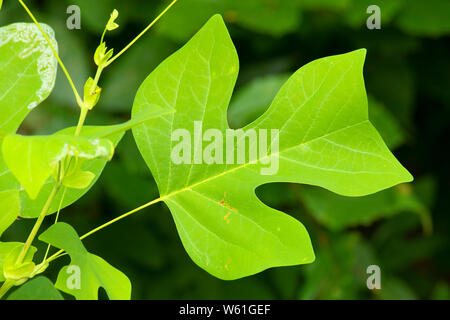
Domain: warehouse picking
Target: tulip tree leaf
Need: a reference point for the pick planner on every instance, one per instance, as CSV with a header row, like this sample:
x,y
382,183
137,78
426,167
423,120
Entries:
x,y
9,208
32,208
94,272
325,139
33,158
39,288
27,69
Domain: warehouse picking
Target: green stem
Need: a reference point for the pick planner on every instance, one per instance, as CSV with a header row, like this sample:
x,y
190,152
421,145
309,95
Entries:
x,y
56,220
81,120
7,285
38,223
129,213
141,34
84,110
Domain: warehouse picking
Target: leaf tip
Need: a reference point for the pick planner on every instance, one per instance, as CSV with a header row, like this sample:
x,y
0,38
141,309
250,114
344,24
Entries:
x,y
408,176
217,18
360,54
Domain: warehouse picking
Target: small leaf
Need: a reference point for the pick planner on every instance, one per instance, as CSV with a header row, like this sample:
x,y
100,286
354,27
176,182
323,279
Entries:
x,y
112,25
94,271
39,288
91,97
5,249
22,271
33,158
9,208
101,56
79,179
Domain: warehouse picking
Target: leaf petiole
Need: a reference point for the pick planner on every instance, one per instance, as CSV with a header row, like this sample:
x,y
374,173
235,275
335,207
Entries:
x,y
56,220
127,214
38,223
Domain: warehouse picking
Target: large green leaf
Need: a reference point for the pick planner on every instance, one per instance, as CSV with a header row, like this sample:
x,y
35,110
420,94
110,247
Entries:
x,y
27,69
325,139
94,271
39,288
253,99
9,208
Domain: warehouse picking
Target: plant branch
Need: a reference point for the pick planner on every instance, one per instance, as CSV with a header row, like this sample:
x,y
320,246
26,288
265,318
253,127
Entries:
x,y
84,110
81,119
56,220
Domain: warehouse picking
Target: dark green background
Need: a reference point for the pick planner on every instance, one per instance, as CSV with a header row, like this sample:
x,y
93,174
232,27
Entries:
x,y
407,76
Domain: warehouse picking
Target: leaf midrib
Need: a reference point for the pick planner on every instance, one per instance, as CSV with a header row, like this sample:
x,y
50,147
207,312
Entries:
x,y
170,195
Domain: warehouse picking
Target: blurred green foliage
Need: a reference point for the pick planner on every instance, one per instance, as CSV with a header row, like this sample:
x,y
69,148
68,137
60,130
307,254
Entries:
x,y
404,230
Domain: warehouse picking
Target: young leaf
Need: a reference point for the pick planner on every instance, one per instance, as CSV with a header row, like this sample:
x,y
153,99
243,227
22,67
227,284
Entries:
x,y
39,288
94,272
91,97
112,25
22,271
325,139
9,208
33,158
5,249
101,55
27,69
79,179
